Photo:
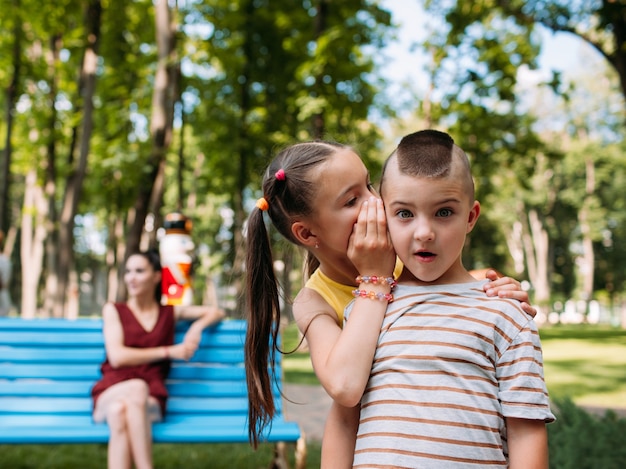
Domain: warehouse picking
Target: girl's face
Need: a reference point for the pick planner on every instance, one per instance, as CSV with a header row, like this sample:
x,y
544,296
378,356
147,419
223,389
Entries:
x,y
344,184
140,277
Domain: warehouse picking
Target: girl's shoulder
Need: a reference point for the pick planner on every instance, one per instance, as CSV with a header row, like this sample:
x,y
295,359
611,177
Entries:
x,y
308,304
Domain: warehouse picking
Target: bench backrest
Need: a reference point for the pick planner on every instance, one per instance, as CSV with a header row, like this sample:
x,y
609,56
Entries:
x,y
48,366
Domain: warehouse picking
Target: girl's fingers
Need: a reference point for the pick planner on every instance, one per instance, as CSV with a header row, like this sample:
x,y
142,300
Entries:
x,y
372,217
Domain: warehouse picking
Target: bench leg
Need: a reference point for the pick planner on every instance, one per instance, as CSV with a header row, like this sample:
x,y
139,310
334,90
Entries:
x,y
281,461
301,453
280,456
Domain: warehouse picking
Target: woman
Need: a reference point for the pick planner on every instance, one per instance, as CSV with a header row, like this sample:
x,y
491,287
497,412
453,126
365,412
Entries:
x,y
138,337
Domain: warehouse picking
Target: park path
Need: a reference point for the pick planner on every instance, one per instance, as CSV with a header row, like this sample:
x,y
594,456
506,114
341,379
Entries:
x,y
309,407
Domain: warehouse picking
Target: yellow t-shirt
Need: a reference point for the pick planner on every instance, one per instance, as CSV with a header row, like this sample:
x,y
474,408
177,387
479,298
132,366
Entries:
x,y
336,294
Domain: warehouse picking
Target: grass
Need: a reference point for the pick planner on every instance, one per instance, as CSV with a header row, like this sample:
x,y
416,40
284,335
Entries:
x,y
166,456
585,363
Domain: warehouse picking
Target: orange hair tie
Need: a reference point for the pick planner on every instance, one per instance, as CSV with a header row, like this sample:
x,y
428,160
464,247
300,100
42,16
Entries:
x,y
262,204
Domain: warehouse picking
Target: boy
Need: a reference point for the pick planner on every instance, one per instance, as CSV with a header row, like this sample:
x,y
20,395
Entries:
x,y
457,378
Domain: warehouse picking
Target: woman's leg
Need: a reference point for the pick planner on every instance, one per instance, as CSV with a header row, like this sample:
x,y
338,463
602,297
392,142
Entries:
x,y
141,411
128,410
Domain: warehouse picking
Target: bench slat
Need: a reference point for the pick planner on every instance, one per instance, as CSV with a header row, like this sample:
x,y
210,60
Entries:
x,y
211,431
96,355
42,388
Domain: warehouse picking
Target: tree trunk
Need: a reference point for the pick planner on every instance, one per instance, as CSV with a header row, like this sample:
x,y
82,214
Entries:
x,y
33,234
319,123
238,241
87,86
52,298
11,97
588,257
150,193
537,247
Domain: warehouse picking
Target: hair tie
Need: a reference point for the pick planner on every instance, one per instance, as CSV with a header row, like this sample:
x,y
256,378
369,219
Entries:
x,y
280,174
262,204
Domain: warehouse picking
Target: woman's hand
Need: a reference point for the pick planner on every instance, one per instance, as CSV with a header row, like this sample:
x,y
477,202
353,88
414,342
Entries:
x,y
183,351
507,287
369,247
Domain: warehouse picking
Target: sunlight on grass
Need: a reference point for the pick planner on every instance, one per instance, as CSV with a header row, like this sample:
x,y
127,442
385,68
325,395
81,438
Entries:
x,y
587,364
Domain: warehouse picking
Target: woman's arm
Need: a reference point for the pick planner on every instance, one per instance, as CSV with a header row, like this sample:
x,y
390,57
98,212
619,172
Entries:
x,y
202,316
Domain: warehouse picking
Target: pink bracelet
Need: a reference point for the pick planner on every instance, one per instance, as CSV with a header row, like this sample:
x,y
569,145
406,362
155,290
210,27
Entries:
x,y
373,295
167,352
374,279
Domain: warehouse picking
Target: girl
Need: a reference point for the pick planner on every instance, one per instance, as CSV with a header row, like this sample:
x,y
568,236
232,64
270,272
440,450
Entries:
x,y
319,196
138,337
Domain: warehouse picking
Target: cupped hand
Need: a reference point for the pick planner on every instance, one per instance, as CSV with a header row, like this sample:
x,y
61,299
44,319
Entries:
x,y
369,247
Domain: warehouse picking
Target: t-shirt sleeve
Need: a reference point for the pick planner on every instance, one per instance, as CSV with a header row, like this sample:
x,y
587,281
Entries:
x,y
522,388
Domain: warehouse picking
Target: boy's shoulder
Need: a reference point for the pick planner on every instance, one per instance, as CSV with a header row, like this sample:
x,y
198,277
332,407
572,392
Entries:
x,y
468,295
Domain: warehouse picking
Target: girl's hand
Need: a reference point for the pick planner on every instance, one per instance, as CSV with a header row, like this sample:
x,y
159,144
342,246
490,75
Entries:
x,y
369,247
507,287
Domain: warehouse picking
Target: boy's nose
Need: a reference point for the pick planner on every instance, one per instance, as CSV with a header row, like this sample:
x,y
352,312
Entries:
x,y
424,232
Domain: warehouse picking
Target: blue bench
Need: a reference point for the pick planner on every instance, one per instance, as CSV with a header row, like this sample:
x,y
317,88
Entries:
x,y
48,366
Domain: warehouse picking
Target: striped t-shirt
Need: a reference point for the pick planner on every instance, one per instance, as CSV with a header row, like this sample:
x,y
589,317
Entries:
x,y
450,365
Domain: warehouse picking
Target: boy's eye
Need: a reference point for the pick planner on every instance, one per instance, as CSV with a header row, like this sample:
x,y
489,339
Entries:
x,y
403,214
444,213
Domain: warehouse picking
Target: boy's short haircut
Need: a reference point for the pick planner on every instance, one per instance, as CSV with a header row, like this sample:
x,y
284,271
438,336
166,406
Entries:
x,y
430,153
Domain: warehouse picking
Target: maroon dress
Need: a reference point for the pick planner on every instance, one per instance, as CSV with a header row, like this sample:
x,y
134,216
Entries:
x,y
135,335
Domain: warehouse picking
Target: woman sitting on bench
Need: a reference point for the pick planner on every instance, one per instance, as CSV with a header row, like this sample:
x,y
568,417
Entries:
x,y
139,342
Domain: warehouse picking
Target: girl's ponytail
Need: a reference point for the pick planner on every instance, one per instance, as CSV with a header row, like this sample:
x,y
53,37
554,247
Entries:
x,y
263,324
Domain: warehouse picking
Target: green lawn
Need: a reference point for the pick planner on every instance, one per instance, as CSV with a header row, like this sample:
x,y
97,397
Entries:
x,y
586,363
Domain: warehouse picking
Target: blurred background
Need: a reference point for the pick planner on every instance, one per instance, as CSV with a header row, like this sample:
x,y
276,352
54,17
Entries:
x,y
116,113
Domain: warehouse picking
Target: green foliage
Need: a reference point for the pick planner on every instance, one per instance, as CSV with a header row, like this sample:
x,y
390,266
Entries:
x,y
580,440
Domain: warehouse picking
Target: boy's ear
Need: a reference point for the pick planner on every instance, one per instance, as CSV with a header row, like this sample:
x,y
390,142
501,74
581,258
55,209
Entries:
x,y
472,218
303,234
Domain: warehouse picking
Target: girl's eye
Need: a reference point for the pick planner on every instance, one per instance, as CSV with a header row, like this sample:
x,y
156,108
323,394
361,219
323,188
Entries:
x,y
444,213
403,214
351,202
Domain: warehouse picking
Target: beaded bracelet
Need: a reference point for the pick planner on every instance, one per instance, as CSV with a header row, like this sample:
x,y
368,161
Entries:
x,y
375,279
372,295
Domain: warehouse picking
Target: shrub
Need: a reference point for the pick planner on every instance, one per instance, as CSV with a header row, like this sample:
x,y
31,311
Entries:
x,y
580,440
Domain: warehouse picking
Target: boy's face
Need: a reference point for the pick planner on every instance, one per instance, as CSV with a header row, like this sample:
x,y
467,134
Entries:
x,y
428,219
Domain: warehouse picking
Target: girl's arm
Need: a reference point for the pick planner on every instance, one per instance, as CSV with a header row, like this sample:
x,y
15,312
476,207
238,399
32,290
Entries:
x,y
342,359
339,440
528,443
507,287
